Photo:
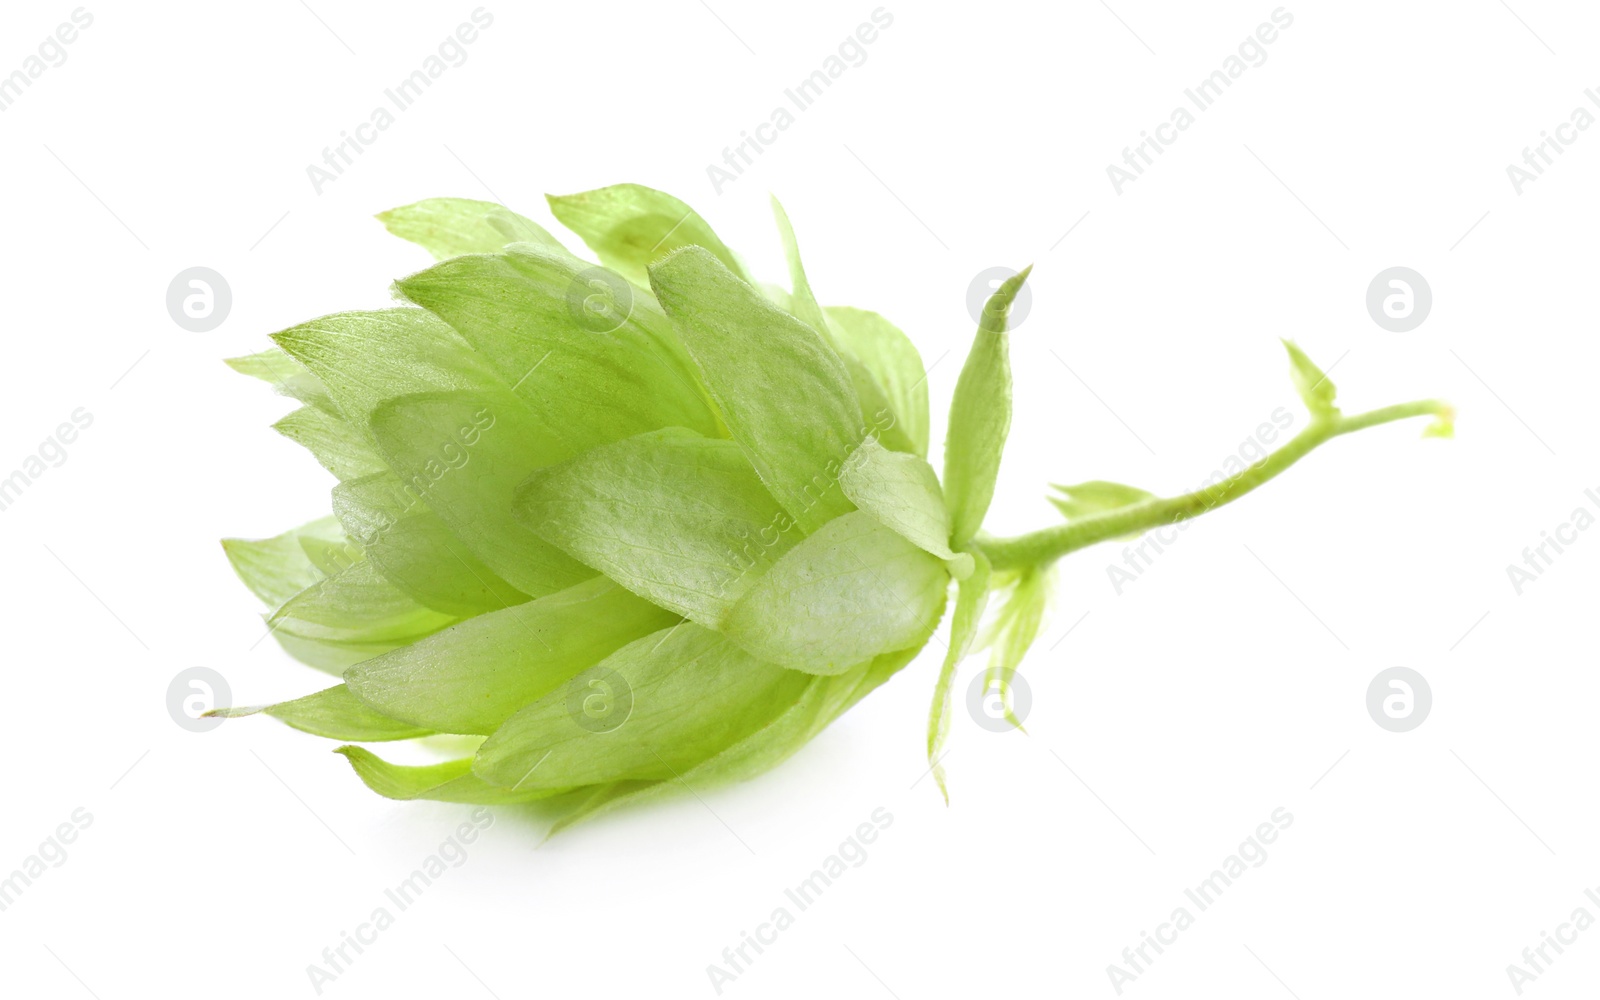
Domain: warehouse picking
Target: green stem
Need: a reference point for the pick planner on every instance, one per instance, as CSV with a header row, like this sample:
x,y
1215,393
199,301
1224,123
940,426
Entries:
x,y
1040,548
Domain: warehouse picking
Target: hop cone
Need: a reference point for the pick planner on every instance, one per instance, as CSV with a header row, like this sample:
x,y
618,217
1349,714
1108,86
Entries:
x,y
629,523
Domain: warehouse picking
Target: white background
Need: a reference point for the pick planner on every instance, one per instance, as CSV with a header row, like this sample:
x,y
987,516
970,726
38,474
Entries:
x,y
1225,683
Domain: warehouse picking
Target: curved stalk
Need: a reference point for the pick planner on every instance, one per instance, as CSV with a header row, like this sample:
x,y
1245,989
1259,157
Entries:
x,y
1040,548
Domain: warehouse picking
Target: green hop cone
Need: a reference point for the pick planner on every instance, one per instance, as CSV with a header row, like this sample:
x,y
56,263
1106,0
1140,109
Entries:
x,y
626,524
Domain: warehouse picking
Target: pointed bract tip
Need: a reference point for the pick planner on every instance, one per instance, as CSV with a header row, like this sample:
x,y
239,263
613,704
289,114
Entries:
x,y
232,713
1009,287
997,309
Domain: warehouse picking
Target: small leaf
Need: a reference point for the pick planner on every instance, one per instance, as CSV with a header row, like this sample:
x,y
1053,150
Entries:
x,y
803,302
333,442
870,394
288,376
356,605
851,591
972,594
416,551
1098,497
630,227
465,453
276,569
903,492
588,379
823,701
449,227
331,556
1314,388
583,803
514,228
1013,631
783,392
334,713
472,677
452,781
894,363
686,692
677,518
330,656
364,358
980,418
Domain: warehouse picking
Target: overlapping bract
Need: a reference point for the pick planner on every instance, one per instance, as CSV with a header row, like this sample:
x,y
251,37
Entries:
x,y
631,522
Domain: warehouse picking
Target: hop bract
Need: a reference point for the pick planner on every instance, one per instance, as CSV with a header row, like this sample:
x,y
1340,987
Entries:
x,y
631,521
